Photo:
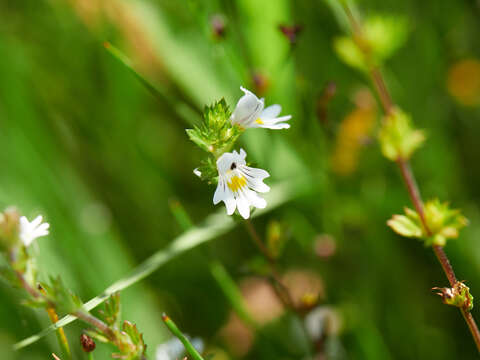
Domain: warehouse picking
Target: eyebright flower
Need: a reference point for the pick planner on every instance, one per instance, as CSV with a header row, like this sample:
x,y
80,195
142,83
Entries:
x,y
29,231
250,112
238,184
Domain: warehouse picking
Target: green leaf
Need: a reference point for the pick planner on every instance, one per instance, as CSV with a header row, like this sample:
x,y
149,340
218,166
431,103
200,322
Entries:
x,y
176,332
348,51
111,312
379,39
385,34
443,223
405,226
66,301
398,138
135,336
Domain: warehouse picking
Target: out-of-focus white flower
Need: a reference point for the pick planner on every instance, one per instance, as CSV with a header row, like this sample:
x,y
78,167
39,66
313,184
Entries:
x,y
29,231
238,184
173,349
250,112
322,320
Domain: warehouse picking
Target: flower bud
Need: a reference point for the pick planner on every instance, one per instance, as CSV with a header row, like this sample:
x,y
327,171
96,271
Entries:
x,y
458,296
88,345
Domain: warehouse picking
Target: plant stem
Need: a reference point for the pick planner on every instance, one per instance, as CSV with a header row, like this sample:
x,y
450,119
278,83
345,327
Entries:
x,y
257,240
61,337
279,287
176,332
407,173
96,323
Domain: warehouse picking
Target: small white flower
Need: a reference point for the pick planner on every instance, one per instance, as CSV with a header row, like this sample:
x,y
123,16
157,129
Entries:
x,y
173,349
238,184
29,231
250,113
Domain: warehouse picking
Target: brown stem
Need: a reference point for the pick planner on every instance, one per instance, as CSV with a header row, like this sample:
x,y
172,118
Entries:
x,y
96,323
382,90
472,325
279,287
447,267
413,191
407,173
258,241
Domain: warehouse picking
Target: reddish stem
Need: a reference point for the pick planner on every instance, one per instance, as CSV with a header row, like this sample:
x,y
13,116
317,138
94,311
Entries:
x,y
406,171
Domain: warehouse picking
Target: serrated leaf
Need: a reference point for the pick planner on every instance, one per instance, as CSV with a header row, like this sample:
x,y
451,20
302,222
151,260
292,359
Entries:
x,y
398,138
404,226
111,312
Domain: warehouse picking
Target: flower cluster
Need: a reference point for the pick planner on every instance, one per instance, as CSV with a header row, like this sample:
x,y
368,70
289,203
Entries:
x,y
238,185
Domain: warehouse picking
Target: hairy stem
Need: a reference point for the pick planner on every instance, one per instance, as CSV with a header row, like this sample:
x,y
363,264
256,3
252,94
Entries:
x,y
407,173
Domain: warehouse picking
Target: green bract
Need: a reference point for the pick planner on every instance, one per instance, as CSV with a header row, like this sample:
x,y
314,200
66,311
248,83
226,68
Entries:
x,y
443,223
216,135
398,138
381,36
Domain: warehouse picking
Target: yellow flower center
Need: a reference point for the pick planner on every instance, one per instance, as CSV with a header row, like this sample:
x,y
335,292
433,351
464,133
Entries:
x,y
236,183
259,121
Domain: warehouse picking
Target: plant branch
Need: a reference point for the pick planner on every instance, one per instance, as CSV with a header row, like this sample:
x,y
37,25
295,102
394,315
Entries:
x,y
96,323
407,173
278,286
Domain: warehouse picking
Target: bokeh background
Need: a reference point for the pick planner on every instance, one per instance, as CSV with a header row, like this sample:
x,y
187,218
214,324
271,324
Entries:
x,y
85,143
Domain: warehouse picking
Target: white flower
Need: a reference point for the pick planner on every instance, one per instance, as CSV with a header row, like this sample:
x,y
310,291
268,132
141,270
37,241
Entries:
x,y
250,113
238,184
173,349
29,231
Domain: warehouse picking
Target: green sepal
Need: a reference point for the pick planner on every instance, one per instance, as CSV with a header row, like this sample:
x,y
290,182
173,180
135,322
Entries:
x,y
443,223
398,138
66,302
208,171
111,312
216,134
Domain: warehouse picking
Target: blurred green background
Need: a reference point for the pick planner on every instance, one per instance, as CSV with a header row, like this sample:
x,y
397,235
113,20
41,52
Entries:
x,y
83,142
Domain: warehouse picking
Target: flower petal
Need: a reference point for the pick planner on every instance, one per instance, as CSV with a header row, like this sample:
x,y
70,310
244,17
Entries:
x,y
220,192
243,205
255,200
271,111
254,172
230,204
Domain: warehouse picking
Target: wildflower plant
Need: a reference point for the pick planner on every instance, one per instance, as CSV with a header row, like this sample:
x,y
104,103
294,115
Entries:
x,y
17,234
237,183
369,45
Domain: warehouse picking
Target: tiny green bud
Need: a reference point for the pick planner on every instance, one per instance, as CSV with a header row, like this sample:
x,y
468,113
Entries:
x,y
216,134
398,138
458,296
